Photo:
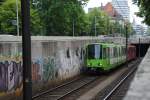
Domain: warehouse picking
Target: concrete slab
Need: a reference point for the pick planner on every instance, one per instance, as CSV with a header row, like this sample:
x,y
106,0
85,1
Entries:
x,y
140,86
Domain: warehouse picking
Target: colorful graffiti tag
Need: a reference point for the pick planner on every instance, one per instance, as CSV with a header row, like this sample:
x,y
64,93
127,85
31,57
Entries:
x,y
44,69
49,69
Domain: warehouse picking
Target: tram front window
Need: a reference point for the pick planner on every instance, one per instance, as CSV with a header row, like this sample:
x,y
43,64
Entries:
x,y
94,52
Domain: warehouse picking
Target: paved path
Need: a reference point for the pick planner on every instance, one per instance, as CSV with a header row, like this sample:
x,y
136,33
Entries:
x,y
140,87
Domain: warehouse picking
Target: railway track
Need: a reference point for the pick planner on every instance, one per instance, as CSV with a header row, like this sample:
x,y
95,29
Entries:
x,y
107,93
62,91
75,88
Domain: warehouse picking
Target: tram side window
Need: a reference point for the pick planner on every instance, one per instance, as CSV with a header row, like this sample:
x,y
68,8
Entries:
x,y
124,51
116,49
97,51
91,52
104,53
112,52
107,52
94,52
120,51
115,52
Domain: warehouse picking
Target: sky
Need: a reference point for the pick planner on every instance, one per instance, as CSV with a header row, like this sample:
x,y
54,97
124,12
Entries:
x,y
133,8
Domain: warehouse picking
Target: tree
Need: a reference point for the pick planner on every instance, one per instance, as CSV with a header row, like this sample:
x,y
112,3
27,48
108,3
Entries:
x,y
99,22
8,18
130,29
60,16
144,10
116,28
48,17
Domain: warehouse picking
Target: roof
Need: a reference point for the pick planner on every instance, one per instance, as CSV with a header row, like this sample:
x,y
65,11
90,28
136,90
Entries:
x,y
110,10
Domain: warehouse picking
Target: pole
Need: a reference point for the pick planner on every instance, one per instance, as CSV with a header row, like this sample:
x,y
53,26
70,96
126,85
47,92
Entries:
x,y
107,25
73,27
17,18
0,27
139,47
126,44
26,44
95,26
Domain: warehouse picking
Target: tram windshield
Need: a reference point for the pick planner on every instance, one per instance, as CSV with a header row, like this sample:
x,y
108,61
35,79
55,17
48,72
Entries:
x,y
94,51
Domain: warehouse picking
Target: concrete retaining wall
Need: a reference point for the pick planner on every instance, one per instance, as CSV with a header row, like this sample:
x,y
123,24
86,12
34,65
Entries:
x,y
53,59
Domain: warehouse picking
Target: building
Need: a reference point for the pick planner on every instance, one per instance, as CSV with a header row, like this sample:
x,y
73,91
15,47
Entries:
x,y
140,29
111,11
122,8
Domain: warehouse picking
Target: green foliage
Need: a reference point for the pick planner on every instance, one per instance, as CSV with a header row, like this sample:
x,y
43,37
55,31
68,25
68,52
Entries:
x,y
130,29
36,23
8,15
144,10
116,27
48,17
59,17
100,19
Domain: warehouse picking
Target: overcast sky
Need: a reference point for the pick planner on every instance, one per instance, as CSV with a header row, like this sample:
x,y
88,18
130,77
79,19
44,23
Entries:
x,y
133,8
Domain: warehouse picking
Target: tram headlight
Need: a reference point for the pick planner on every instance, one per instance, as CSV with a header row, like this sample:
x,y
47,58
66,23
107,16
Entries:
x,y
100,64
89,64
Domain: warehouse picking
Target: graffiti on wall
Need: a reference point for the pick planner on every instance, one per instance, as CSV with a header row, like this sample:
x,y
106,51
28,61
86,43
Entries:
x,y
36,70
44,69
11,72
50,70
10,75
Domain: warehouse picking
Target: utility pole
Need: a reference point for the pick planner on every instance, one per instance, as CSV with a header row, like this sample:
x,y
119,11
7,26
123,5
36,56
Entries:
x,y
139,47
26,45
107,22
17,17
0,27
126,30
95,26
73,28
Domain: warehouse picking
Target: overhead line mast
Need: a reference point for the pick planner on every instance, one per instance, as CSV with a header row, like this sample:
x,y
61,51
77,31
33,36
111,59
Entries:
x,y
26,45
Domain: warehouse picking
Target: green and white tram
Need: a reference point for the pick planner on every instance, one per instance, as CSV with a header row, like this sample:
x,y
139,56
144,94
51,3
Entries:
x,y
104,56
